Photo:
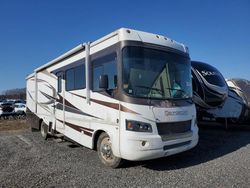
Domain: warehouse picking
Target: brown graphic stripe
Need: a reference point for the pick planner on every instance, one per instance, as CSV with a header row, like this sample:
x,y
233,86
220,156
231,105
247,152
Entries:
x,y
125,109
59,106
30,96
88,133
44,107
77,95
68,106
109,104
67,103
78,128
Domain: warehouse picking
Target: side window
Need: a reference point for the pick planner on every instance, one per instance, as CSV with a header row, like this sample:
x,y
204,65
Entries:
x,y
80,82
105,65
75,78
70,79
96,74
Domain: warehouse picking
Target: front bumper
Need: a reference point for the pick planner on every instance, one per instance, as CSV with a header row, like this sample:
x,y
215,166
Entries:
x,y
151,146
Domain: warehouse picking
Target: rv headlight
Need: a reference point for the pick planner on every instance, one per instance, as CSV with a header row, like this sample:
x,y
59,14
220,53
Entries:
x,y
138,126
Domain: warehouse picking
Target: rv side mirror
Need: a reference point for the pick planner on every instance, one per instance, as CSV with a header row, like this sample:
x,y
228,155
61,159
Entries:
x,y
103,82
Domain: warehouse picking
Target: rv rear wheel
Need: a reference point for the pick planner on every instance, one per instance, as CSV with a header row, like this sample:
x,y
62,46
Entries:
x,y
104,150
44,130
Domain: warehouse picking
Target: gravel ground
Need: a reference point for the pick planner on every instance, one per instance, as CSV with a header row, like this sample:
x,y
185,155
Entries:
x,y
221,159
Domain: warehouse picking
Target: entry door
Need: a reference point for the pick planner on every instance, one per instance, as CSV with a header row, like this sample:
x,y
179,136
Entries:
x,y
59,104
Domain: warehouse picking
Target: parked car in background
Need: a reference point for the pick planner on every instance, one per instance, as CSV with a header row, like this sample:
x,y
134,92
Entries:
x,y
6,109
12,108
20,109
20,101
2,101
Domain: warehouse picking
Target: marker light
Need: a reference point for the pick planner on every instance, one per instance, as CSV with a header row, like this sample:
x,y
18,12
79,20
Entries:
x,y
129,125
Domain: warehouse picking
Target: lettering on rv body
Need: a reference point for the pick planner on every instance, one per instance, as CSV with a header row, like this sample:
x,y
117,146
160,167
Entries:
x,y
176,113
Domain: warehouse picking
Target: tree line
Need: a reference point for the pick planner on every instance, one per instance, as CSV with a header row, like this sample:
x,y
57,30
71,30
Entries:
x,y
17,93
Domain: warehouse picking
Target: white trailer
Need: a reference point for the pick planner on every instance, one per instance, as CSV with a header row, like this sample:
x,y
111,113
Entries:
x,y
117,95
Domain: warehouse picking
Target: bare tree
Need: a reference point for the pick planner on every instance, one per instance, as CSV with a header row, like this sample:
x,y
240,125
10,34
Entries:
x,y
17,93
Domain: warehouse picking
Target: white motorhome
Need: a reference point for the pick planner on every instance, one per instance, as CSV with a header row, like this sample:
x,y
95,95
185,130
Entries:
x,y
128,95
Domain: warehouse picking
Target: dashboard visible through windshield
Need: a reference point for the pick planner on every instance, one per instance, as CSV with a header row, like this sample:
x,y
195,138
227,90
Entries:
x,y
155,74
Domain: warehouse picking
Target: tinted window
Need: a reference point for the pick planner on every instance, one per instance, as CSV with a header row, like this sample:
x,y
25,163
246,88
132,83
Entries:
x,y
96,74
104,65
75,78
151,73
80,77
70,79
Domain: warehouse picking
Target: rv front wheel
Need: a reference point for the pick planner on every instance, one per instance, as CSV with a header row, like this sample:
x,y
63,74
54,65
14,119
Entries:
x,y
44,130
104,150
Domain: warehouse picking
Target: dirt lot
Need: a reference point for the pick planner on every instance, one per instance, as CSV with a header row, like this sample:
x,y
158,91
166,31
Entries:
x,y
10,125
221,159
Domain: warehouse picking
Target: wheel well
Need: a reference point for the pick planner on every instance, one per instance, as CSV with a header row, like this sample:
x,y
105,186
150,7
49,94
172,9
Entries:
x,y
96,136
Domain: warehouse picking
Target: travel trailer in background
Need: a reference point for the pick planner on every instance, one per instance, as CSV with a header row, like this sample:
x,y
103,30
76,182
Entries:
x,y
217,99
210,89
236,108
128,95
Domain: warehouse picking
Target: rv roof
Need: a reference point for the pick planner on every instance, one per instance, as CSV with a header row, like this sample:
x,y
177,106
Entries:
x,y
123,34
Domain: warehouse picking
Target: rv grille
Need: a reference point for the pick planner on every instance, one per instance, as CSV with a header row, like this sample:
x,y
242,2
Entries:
x,y
174,127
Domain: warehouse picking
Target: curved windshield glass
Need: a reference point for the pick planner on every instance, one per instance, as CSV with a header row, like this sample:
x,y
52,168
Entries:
x,y
150,73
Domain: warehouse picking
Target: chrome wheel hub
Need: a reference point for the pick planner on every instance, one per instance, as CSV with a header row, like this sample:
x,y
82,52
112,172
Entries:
x,y
106,150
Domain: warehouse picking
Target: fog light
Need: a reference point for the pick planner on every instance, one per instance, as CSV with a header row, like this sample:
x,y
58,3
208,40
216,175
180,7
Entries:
x,y
143,143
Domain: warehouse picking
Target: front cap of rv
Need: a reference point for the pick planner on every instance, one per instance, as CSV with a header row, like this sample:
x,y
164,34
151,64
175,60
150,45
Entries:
x,y
125,34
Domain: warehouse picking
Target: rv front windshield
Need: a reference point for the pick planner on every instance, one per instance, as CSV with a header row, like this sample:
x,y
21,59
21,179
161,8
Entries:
x,y
155,74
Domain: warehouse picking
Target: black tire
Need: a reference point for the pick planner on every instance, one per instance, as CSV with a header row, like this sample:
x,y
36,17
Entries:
x,y
44,130
105,154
